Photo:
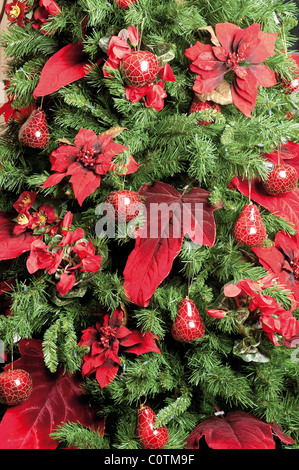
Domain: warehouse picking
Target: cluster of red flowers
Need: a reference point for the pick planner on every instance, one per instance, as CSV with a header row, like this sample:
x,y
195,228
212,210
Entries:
x,y
121,47
276,322
67,253
20,11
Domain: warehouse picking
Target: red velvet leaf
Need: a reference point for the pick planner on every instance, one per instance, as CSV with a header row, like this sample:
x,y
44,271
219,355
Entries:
x,y
238,430
170,215
66,66
285,207
12,245
55,399
139,343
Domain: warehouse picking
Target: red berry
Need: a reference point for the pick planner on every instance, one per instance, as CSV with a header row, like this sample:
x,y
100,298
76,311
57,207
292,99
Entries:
x,y
140,68
34,132
188,324
281,180
148,436
249,228
15,387
124,3
198,106
126,205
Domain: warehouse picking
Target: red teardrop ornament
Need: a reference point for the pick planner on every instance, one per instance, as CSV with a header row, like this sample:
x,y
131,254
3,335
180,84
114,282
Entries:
x,y
249,228
148,436
188,324
34,132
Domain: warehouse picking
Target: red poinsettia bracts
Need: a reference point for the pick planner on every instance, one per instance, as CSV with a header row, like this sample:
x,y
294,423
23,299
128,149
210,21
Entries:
x,y
86,161
104,340
282,260
273,318
235,49
121,47
15,12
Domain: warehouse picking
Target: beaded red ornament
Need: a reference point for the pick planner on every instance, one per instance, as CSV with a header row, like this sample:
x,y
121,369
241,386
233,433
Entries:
x,y
126,204
249,228
148,436
140,68
198,106
15,387
188,324
281,180
34,132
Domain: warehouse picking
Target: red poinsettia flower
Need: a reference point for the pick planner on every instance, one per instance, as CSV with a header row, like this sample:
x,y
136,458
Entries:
x,y
154,95
282,260
104,340
15,12
235,48
86,162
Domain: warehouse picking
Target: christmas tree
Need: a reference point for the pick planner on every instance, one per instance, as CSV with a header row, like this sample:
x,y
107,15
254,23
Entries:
x,y
149,225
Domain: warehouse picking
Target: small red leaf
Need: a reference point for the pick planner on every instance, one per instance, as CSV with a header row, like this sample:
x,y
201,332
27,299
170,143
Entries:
x,y
55,399
66,66
12,245
238,430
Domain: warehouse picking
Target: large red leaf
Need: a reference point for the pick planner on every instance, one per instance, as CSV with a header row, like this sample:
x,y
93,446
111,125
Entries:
x,y
238,430
12,245
55,399
169,216
66,66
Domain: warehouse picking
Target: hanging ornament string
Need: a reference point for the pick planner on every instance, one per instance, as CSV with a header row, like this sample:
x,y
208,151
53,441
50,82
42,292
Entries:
x,y
141,31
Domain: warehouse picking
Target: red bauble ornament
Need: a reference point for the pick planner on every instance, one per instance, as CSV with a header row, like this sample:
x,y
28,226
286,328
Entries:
x,y
34,132
249,228
198,106
188,324
289,87
125,4
281,180
15,386
140,68
126,204
148,436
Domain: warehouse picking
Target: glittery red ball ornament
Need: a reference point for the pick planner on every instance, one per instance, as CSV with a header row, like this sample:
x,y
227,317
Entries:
x,y
249,228
188,324
126,205
34,132
281,180
198,106
15,387
140,68
148,436
125,4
